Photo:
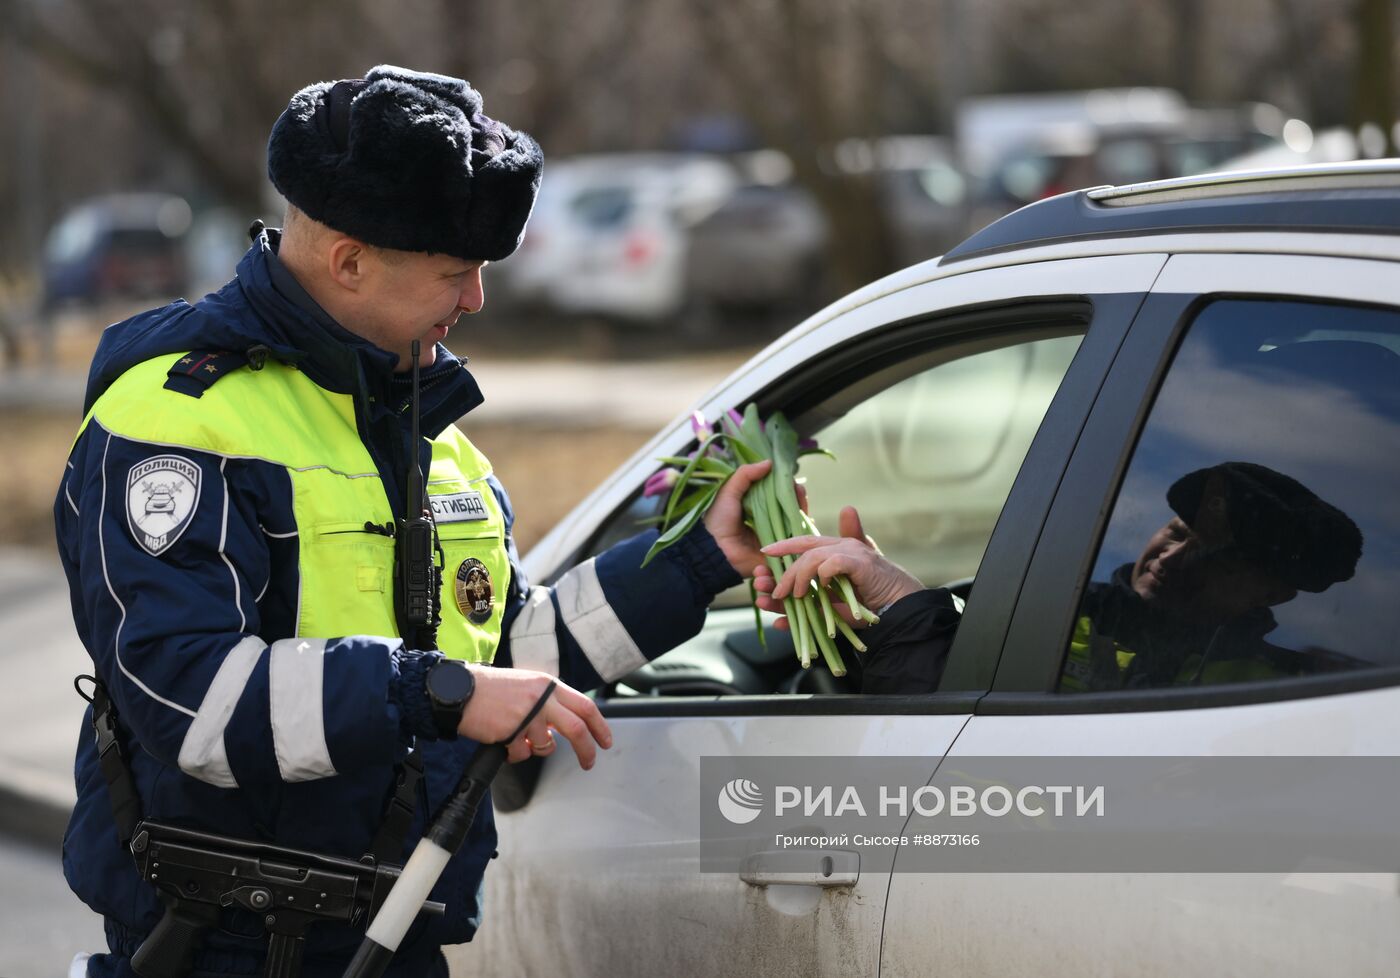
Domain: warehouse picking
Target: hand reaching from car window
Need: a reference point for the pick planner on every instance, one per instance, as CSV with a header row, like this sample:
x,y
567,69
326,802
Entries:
x,y
878,581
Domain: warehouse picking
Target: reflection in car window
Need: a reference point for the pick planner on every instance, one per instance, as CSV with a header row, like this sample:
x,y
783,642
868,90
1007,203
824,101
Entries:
x,y
1256,534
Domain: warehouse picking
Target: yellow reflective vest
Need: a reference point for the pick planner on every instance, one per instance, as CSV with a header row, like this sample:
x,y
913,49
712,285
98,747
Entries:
x,y
345,558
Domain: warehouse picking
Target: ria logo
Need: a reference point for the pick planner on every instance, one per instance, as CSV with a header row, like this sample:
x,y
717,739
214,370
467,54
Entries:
x,y
740,801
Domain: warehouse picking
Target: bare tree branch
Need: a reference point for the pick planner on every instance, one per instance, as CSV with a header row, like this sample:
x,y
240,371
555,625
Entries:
x,y
794,65
142,79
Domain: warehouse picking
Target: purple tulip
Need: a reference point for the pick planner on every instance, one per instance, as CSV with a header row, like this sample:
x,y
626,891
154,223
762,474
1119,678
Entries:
x,y
700,426
661,482
736,417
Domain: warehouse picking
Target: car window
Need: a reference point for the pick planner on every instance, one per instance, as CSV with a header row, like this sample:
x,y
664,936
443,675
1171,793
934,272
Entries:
x,y
1256,533
1128,161
1025,178
602,207
928,439
73,236
943,184
929,460
1188,156
925,449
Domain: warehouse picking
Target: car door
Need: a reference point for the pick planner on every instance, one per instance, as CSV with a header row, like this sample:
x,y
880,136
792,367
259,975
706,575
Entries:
x,y
1254,401
600,872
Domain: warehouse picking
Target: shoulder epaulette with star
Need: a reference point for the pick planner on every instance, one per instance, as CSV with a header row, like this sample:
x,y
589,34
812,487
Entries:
x,y
196,371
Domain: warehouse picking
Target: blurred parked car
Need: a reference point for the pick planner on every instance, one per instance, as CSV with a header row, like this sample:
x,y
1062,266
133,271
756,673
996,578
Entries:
x,y
1076,155
760,250
1012,419
120,245
988,127
1300,146
608,235
764,247
924,193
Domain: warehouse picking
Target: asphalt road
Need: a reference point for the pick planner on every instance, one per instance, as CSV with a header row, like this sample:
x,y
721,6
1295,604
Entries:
x,y
42,924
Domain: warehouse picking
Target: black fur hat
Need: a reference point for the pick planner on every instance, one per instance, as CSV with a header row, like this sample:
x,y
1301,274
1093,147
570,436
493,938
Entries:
x,y
1274,520
406,160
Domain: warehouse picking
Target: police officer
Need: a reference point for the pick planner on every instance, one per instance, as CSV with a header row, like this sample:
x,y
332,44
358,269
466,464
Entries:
x,y
226,522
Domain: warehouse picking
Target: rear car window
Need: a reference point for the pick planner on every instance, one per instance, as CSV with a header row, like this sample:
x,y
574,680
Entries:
x,y
603,207
1256,533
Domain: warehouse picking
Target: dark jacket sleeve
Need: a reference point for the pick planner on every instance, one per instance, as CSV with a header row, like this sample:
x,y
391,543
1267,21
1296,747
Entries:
x,y
908,650
608,615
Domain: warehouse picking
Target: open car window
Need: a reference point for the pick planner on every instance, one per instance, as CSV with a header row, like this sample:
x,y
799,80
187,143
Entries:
x,y
927,447
929,460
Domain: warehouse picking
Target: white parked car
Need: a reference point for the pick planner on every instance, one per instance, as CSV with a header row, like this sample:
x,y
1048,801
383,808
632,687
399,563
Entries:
x,y
608,234
1012,418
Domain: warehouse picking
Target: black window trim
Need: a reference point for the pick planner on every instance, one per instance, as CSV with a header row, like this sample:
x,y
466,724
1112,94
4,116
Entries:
x,y
791,704
1016,534
1074,527
1188,697
1029,668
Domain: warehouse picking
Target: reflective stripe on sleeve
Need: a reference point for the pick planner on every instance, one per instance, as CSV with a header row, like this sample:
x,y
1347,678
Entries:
x,y
202,752
533,642
594,624
295,676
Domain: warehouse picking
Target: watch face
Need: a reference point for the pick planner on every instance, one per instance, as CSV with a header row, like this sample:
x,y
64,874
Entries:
x,y
450,682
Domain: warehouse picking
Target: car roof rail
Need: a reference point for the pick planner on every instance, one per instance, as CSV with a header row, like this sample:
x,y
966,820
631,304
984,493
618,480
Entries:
x,y
1357,197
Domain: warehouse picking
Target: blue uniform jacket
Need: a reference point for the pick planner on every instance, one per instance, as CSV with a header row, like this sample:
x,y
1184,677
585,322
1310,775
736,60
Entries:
x,y
160,626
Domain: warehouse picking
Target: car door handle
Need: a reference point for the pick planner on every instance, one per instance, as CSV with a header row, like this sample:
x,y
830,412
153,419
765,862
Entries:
x,y
830,867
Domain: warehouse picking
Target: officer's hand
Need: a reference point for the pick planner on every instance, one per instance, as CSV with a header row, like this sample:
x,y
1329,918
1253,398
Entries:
x,y
503,698
876,580
725,518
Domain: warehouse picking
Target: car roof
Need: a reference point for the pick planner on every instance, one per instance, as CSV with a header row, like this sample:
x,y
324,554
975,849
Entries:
x,y
134,210
620,167
1361,197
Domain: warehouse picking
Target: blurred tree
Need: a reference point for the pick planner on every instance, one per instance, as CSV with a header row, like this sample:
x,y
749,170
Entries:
x,y
163,94
809,74
558,69
1190,42
210,76
1051,45
21,176
1296,51
1373,98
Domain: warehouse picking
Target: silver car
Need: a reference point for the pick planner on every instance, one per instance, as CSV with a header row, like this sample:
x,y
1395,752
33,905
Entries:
x,y
1011,419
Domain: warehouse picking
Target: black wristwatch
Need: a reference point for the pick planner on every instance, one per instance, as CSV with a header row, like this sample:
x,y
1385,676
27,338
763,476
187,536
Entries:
x,y
449,685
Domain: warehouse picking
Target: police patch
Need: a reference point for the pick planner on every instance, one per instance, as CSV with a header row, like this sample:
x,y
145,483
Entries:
x,y
161,496
475,599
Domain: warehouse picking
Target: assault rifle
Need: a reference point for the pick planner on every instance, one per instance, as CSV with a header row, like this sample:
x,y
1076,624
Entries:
x,y
200,874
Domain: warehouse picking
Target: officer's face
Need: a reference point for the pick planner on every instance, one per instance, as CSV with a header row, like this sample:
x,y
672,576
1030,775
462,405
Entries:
x,y
1198,575
416,296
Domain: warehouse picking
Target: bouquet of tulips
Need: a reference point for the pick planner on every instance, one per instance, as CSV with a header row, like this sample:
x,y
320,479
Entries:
x,y
772,511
